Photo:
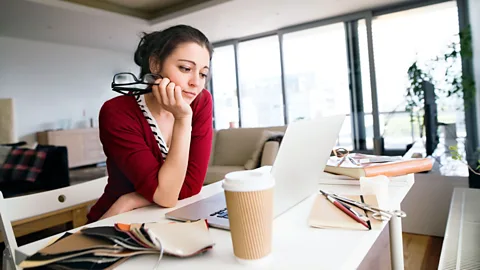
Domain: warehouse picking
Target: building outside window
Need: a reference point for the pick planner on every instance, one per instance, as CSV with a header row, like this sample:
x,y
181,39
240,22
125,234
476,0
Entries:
x,y
260,82
399,39
316,76
224,84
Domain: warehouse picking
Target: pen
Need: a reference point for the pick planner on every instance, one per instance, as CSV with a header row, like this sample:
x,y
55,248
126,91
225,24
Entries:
x,y
356,214
346,209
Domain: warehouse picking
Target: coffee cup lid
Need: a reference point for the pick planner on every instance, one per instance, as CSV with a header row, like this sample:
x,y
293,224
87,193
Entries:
x,y
248,180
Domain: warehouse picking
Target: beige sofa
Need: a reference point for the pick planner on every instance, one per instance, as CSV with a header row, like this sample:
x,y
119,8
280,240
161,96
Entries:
x,y
242,149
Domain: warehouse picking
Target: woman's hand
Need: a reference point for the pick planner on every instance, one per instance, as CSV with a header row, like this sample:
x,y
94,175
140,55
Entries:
x,y
170,98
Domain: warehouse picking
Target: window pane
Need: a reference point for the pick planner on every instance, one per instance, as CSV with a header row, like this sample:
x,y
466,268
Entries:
x,y
260,82
368,118
316,75
365,77
224,87
420,34
396,128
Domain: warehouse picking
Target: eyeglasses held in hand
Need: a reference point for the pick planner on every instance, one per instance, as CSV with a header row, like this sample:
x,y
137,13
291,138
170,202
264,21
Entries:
x,y
128,84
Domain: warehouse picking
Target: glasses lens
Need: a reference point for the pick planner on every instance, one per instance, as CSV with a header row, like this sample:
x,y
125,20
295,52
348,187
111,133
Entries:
x,y
341,152
139,86
150,78
123,78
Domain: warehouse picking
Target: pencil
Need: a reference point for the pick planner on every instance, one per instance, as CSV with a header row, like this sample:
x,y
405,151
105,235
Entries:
x,y
346,210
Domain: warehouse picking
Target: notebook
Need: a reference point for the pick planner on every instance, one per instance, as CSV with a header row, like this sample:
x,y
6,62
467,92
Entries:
x,y
325,215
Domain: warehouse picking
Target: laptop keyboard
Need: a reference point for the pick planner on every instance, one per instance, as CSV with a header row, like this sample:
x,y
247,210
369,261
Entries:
x,y
221,214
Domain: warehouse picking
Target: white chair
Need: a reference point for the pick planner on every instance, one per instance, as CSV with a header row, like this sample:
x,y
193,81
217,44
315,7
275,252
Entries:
x,y
21,207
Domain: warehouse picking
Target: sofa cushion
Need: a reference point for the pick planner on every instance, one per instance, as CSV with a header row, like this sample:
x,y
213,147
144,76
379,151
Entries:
x,y
233,147
254,161
216,173
269,153
54,174
23,164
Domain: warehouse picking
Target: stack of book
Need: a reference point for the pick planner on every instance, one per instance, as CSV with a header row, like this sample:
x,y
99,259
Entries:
x,y
360,165
106,247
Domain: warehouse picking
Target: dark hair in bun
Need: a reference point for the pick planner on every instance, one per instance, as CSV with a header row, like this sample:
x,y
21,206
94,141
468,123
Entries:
x,y
162,43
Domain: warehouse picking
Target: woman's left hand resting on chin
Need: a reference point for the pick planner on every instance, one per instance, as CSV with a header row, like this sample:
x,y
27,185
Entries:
x,y
125,203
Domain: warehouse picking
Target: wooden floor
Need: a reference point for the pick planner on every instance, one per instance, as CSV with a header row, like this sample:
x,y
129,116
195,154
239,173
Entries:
x,y
421,252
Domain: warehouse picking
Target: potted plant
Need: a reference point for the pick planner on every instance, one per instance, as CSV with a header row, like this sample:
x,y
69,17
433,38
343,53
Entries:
x,y
454,83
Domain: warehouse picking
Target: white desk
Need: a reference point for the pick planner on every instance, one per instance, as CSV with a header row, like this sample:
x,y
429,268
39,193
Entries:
x,y
295,244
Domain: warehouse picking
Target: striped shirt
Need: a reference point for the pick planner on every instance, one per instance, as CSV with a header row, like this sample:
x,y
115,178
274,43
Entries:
x,y
153,125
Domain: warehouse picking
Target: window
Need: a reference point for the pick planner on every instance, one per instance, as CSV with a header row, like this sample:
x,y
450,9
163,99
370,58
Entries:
x,y
316,76
260,83
224,84
420,34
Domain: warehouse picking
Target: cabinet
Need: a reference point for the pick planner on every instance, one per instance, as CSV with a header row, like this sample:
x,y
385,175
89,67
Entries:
x,y
83,145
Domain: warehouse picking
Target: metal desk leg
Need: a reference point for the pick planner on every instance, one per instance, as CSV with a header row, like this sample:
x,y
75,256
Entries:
x,y
396,243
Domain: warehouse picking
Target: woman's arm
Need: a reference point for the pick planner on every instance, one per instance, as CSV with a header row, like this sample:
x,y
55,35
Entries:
x,y
200,146
126,203
172,173
170,176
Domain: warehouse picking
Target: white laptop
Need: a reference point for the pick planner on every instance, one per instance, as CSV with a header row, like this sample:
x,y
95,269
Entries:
x,y
300,161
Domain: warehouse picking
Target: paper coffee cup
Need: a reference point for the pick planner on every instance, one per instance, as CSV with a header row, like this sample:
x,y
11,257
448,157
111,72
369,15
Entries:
x,y
249,197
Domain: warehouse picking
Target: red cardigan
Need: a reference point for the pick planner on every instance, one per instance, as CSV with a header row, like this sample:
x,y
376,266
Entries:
x,y
133,155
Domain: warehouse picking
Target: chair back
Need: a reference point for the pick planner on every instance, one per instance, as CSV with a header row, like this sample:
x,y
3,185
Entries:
x,y
8,237
27,206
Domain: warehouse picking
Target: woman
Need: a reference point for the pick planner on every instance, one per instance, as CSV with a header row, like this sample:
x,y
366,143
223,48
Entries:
x,y
158,144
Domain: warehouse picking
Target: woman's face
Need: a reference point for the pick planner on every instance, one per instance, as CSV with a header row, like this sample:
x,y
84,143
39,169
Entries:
x,y
188,67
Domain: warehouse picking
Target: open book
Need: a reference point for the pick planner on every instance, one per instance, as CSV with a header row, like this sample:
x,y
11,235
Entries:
x,y
362,166
106,247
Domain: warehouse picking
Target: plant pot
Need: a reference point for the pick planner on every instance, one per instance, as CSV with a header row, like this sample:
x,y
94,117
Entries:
x,y
473,179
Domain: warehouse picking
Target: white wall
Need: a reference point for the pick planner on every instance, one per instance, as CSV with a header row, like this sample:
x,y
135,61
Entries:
x,y
50,82
427,204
